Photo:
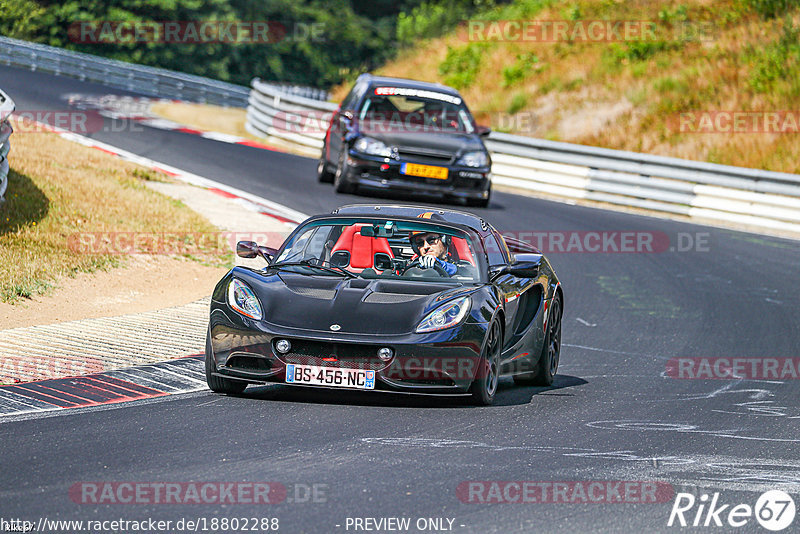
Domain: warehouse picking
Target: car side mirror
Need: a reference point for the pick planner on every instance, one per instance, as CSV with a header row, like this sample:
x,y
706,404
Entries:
x,y
483,131
247,249
268,253
496,272
251,249
525,266
382,262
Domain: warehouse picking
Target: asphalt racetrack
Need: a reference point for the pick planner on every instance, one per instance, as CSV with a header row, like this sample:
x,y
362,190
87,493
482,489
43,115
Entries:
x,y
619,410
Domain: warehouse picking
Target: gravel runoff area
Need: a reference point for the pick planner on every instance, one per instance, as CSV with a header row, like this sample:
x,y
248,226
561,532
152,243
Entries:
x,y
93,345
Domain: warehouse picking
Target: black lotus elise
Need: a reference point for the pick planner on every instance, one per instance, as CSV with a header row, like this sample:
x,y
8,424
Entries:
x,y
347,303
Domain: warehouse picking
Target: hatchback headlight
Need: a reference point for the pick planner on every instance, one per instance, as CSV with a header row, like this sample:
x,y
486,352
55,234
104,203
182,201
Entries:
x,y
368,145
445,316
242,299
474,159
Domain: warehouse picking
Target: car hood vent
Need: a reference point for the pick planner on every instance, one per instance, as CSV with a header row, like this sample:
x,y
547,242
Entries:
x,y
314,292
391,298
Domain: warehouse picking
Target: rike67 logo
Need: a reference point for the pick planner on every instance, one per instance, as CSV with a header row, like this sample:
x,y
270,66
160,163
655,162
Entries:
x,y
774,510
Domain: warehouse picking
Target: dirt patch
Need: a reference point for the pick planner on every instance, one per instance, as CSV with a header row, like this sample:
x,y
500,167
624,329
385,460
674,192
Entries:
x,y
592,119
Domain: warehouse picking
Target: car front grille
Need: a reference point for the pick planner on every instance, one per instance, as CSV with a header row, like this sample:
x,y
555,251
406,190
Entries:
x,y
426,156
340,355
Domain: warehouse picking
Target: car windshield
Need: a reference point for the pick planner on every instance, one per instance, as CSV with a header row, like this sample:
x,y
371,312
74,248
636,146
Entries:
x,y
417,111
381,248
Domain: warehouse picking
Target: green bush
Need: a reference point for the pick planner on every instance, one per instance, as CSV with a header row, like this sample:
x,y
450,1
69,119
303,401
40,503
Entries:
x,y
517,72
643,50
20,19
769,9
670,85
461,65
518,102
669,16
428,20
777,61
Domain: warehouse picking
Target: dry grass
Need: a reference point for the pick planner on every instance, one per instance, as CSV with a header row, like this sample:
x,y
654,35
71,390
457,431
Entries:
x,y
229,121
58,189
613,95
205,117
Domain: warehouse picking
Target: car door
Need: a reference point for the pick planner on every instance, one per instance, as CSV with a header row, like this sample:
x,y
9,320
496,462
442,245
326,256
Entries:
x,y
507,284
514,289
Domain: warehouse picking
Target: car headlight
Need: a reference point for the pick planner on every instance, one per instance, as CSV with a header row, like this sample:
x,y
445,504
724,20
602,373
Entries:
x,y
474,159
368,145
445,316
242,299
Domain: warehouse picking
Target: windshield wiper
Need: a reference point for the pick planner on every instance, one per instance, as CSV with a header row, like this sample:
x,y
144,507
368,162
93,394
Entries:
x,y
335,269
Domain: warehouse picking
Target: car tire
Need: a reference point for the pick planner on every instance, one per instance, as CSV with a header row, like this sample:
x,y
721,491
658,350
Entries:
x,y
323,174
484,387
547,367
218,384
340,183
480,202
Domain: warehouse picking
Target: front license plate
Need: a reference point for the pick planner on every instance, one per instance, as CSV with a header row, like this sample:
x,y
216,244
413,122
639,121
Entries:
x,y
424,171
330,376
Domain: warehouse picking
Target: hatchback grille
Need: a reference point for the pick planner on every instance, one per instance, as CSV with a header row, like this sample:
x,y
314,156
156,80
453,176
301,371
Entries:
x,y
421,155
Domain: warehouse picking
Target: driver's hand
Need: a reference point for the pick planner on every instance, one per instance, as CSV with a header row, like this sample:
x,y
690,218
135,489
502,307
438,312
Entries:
x,y
427,262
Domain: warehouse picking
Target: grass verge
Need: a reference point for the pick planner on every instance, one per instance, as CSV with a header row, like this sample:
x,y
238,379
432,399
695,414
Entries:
x,y
58,190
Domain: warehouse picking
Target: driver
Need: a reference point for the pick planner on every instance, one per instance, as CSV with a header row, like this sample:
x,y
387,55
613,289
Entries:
x,y
431,248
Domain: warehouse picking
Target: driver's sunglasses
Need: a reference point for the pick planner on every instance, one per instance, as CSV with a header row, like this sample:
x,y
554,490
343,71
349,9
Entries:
x,y
431,239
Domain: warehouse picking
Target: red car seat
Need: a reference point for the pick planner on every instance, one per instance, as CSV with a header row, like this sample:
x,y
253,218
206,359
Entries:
x,y
362,248
460,249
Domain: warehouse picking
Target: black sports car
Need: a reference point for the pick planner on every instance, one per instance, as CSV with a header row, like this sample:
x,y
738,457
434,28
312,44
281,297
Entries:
x,y
405,135
357,299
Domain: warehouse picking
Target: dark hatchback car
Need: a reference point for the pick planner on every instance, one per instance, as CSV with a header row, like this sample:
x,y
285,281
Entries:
x,y
407,136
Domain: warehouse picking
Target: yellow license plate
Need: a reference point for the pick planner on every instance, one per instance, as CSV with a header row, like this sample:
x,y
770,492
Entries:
x,y
425,171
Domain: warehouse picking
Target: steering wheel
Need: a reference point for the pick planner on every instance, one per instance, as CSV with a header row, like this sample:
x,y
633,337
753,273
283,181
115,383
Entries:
x,y
415,264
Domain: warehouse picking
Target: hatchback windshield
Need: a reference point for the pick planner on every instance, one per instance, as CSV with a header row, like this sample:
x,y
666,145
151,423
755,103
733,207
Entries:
x,y
381,248
426,112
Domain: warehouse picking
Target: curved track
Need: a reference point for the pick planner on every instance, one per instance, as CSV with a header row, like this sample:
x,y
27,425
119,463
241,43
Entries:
x,y
613,414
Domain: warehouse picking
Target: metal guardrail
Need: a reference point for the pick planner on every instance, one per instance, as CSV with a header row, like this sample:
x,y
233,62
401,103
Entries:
x,y
272,113
6,109
696,189
152,81
662,184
